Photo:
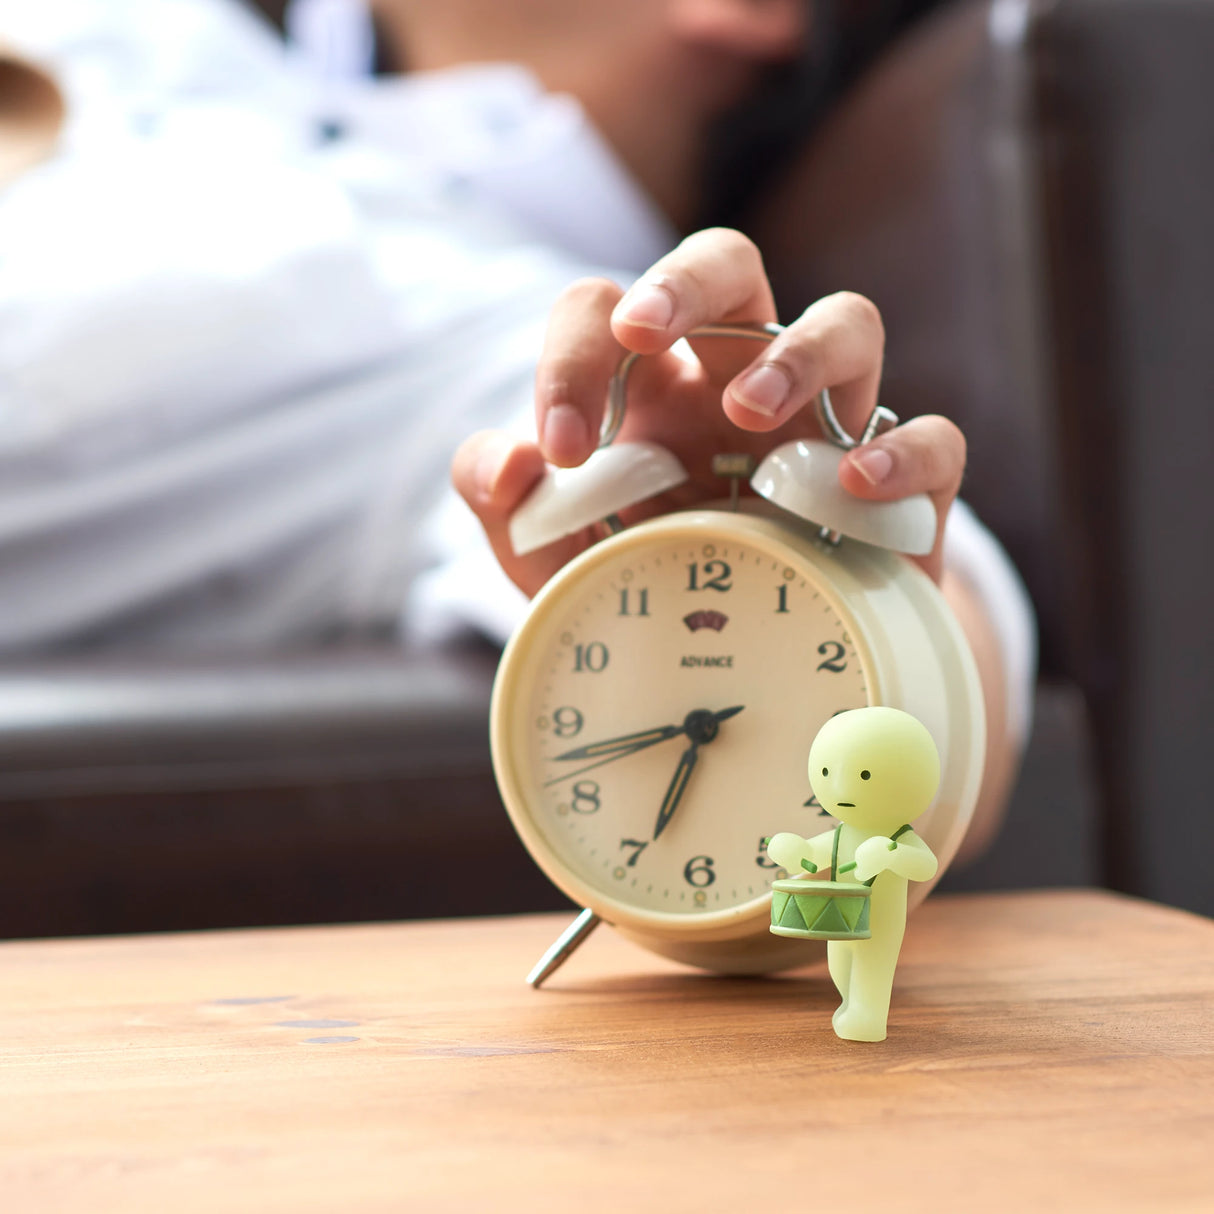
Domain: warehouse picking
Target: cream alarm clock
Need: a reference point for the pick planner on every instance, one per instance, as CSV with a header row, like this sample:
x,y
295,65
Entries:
x,y
652,715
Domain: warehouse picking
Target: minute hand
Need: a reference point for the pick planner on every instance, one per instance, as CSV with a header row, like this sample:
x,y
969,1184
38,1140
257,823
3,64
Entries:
x,y
695,724
630,741
601,753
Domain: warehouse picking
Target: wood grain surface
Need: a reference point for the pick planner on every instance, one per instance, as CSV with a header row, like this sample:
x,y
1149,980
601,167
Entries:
x,y
1050,1051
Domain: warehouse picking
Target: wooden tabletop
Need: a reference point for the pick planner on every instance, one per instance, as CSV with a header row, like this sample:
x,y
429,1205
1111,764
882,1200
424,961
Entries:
x,y
1046,1052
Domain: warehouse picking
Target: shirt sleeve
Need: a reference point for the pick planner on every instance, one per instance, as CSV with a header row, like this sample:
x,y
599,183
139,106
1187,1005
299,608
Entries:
x,y
245,322
228,392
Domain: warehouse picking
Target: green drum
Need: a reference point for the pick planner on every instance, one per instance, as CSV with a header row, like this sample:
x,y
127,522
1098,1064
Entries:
x,y
820,910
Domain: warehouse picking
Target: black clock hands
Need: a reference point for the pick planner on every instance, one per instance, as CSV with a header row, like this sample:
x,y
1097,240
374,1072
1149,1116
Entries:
x,y
614,748
694,725
678,784
623,745
701,727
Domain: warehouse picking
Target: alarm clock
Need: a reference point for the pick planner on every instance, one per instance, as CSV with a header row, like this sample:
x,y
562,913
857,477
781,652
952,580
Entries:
x,y
652,714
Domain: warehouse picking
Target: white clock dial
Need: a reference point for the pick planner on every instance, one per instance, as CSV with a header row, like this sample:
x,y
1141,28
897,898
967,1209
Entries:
x,y
660,727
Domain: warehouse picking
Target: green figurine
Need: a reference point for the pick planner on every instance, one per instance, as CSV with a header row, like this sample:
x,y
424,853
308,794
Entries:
x,y
875,770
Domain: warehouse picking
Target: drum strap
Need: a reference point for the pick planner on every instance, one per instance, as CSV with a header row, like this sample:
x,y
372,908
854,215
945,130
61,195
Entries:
x,y
835,870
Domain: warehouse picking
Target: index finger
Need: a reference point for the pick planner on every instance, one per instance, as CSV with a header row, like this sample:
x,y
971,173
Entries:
x,y
713,275
716,275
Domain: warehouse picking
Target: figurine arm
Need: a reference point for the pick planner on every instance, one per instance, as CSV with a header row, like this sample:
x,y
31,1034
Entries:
x,y
910,857
788,850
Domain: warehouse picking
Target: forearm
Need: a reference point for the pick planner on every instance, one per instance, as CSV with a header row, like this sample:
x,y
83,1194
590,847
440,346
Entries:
x,y
1002,745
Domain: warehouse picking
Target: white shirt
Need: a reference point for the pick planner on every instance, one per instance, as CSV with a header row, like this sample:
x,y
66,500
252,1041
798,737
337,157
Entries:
x,y
235,358
237,353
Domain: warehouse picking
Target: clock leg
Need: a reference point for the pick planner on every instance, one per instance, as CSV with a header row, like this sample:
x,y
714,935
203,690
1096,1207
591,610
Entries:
x,y
563,947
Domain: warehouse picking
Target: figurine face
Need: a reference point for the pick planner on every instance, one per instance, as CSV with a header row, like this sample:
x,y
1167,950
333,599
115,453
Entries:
x,y
874,768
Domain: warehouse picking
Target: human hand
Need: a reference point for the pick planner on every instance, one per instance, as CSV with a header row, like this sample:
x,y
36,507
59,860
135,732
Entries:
x,y
740,396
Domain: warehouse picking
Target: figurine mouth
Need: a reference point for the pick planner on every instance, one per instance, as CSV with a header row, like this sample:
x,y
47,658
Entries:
x,y
846,804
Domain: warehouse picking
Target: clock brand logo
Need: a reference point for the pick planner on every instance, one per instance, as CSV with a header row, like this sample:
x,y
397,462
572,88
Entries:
x,y
706,619
719,660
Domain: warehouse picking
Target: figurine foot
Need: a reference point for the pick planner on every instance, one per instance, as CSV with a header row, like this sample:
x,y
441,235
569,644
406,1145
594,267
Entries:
x,y
850,1025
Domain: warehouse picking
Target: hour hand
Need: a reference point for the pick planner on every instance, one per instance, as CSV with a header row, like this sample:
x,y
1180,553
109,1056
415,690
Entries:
x,y
678,785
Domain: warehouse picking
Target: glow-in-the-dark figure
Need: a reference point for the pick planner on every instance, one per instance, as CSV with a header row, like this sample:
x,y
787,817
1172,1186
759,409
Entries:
x,y
875,770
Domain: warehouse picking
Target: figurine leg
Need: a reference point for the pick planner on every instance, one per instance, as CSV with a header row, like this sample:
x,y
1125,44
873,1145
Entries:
x,y
838,961
865,1008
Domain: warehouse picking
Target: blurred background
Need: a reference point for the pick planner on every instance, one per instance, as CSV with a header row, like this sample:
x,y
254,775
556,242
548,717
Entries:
x,y
1025,188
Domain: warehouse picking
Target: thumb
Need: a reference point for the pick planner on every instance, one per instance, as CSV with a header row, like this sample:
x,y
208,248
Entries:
x,y
494,472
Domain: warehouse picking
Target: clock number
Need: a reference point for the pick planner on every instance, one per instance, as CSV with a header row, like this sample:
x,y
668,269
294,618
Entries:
x,y
763,860
782,596
639,844
836,663
586,797
592,657
626,602
566,722
716,576
698,871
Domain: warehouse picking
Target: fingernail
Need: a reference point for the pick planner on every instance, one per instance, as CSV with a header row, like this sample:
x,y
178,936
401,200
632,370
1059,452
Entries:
x,y
764,389
647,305
490,462
873,463
566,435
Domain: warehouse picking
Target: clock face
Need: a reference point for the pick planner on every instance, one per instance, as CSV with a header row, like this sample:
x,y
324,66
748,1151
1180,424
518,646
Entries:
x,y
655,725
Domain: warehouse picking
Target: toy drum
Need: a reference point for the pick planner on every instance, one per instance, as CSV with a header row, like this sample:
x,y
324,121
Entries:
x,y
820,910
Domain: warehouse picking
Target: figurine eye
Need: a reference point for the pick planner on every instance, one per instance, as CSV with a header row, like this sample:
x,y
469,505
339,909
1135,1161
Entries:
x,y
866,775
825,772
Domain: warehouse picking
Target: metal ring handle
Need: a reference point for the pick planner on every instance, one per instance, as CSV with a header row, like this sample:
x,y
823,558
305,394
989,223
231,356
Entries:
x,y
880,420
